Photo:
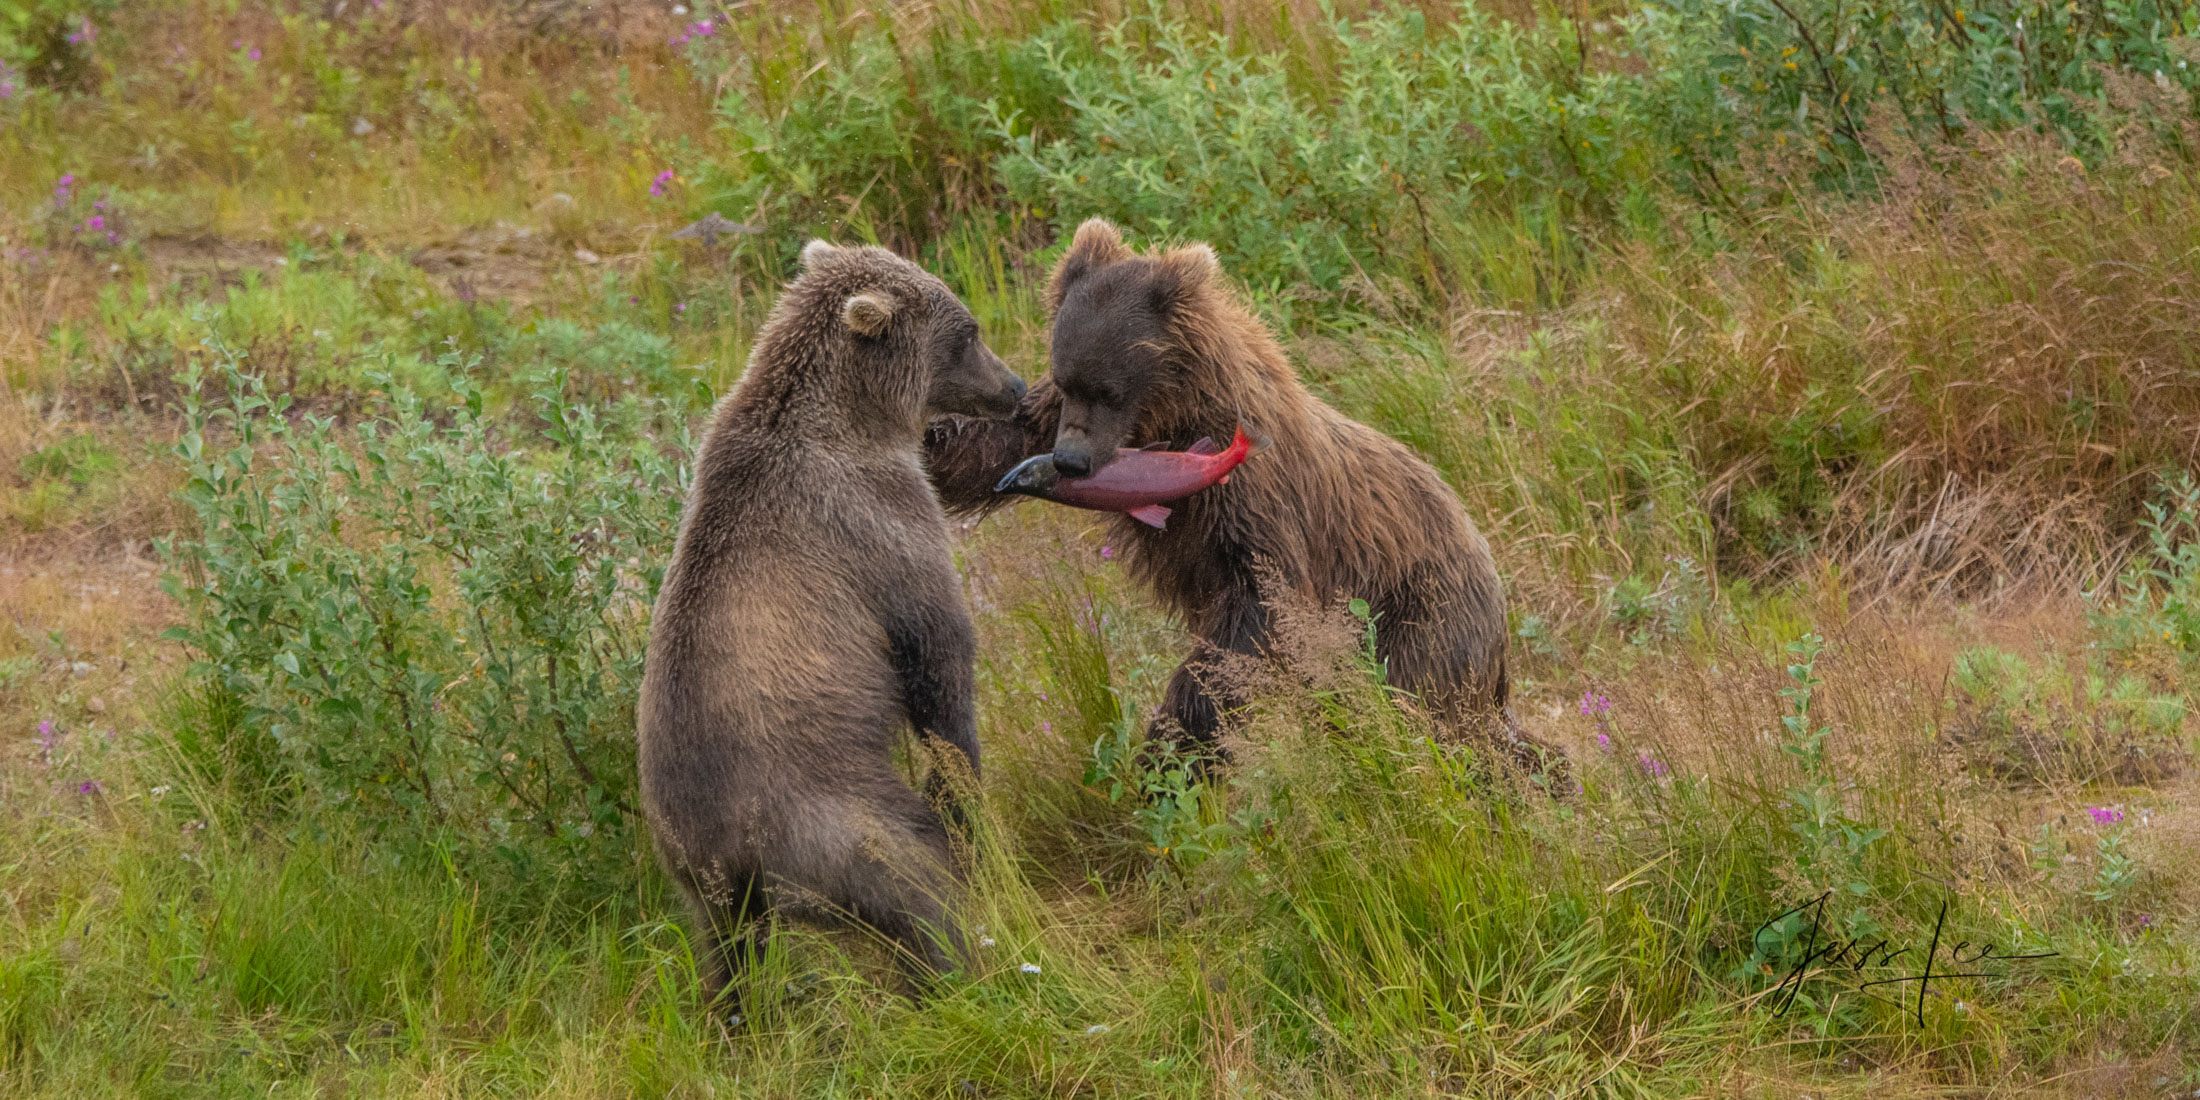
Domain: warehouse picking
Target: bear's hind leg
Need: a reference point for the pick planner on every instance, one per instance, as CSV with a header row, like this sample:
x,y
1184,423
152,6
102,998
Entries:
x,y
732,919
893,870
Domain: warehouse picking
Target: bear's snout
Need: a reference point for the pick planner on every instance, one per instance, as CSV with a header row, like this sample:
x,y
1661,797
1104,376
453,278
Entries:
x,y
1073,455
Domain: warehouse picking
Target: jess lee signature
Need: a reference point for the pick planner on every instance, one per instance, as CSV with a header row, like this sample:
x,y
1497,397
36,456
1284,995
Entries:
x,y
1854,956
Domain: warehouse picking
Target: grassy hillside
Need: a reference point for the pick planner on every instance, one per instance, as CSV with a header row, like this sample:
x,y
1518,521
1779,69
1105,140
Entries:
x,y
1821,373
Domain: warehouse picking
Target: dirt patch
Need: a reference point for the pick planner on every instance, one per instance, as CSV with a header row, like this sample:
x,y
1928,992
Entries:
x,y
501,263
209,259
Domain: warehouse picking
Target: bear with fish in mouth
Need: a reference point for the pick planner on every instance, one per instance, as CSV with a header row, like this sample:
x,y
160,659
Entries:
x,y
1156,347
811,613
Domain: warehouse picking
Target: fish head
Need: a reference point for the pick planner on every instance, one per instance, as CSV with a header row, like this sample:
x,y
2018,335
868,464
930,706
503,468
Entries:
x,y
1035,476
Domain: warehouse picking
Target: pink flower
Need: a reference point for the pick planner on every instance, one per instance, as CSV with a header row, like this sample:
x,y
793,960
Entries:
x,y
703,29
1652,766
680,307
1107,553
657,186
1593,705
95,222
2103,815
89,786
255,54
1604,741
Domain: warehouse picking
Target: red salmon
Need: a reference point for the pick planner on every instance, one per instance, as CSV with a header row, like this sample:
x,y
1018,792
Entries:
x,y
1137,483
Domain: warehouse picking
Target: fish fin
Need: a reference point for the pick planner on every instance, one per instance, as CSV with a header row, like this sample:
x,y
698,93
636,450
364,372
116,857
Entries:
x,y
1156,445
1256,443
1152,515
1205,446
1223,480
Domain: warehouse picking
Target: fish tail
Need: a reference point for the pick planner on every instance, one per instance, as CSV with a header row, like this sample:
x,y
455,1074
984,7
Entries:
x,y
1252,443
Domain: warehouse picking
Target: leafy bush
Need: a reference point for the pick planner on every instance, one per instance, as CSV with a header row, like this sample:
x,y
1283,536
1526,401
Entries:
x,y
866,132
420,624
1737,72
1425,129
2159,609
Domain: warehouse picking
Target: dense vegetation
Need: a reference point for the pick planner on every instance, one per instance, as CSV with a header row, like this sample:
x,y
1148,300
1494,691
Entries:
x,y
1822,373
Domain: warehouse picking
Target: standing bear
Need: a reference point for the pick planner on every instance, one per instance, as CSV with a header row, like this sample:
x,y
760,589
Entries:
x,y
1156,348
812,613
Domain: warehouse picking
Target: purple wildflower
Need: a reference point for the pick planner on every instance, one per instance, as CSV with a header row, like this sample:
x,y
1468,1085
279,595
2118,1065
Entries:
x,y
48,736
1107,553
1594,705
113,237
96,222
62,189
680,307
89,786
657,186
7,89
703,28
2104,815
1653,766
1604,741
2146,920
255,54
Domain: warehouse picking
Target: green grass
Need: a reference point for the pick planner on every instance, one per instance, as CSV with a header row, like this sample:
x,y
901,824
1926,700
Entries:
x,y
1728,377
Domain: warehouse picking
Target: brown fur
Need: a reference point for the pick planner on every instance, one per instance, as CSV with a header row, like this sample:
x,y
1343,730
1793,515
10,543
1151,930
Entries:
x,y
1157,348
811,613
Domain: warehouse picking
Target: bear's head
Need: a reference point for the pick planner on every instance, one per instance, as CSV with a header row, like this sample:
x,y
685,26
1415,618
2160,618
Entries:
x,y
1119,338
917,345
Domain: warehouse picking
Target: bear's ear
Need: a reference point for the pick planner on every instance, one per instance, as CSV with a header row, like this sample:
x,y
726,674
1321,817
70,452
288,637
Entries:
x,y
867,314
816,250
1179,271
1098,244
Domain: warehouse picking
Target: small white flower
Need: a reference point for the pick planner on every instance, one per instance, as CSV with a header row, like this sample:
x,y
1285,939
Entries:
x,y
679,9
1097,1029
1031,968
159,792
985,941
1961,1007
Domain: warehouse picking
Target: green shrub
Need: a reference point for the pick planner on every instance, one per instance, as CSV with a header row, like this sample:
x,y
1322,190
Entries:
x,y
1425,132
2159,608
1733,74
420,625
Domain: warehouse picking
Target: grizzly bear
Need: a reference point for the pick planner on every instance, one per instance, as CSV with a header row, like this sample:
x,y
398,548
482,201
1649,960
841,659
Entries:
x,y
1156,348
810,614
